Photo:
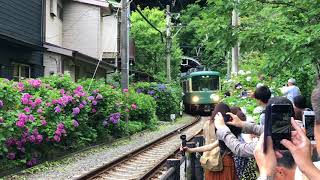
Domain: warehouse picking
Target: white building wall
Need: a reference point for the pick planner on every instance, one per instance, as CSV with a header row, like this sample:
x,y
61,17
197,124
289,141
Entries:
x,y
52,63
53,26
109,36
81,29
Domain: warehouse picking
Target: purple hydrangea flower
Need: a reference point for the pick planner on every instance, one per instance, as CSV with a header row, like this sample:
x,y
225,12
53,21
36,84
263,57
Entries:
x,y
11,156
1,103
57,109
99,97
31,118
94,103
115,118
75,111
139,91
151,92
75,123
90,98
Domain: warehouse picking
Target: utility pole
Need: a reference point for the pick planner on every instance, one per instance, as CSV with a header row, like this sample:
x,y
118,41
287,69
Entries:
x,y
124,44
236,49
168,43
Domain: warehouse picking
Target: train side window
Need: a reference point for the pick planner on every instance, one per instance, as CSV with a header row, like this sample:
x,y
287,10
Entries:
x,y
187,86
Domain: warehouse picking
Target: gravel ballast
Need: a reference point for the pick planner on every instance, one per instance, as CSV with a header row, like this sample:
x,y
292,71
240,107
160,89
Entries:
x,y
82,162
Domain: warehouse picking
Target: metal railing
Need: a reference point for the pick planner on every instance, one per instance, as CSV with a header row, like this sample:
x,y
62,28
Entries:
x,y
194,170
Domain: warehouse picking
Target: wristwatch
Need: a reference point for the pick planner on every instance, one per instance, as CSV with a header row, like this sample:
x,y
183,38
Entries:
x,y
265,178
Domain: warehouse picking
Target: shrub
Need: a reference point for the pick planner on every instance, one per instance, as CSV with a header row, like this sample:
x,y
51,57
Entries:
x,y
43,116
167,97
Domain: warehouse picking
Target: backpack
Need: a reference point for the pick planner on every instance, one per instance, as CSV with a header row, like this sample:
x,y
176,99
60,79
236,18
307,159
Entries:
x,y
245,166
211,160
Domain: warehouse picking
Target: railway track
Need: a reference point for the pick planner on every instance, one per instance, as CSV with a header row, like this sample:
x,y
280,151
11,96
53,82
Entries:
x,y
145,161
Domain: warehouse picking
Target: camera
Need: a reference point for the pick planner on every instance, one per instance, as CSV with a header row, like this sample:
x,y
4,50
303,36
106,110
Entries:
x,y
278,124
308,122
183,142
227,117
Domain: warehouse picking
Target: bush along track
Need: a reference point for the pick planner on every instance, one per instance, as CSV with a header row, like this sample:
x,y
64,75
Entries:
x,y
40,117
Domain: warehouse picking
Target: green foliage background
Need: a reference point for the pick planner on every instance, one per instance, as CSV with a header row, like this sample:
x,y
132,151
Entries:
x,y
150,50
278,39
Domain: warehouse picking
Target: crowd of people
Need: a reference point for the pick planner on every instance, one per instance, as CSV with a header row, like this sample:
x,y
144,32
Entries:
x,y
235,149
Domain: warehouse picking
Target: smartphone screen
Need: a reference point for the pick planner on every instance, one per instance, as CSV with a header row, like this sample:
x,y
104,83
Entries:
x,y
309,125
280,124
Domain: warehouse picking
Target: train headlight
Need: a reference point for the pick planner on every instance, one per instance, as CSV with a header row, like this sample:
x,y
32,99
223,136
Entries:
x,y
215,97
195,99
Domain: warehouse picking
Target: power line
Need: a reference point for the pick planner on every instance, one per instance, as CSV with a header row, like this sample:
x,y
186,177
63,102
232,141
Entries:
x,y
141,14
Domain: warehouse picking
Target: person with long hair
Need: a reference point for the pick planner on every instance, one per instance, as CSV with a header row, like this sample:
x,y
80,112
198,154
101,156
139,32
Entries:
x,y
228,171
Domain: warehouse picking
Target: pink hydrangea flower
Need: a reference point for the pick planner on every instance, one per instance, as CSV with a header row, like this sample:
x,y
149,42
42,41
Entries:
x,y
39,138
81,106
40,111
56,138
133,106
36,83
125,90
38,101
60,126
1,103
27,110
94,110
62,91
20,86
32,138
44,122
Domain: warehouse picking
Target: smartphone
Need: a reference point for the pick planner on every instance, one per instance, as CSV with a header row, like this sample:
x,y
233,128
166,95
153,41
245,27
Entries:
x,y
227,117
278,124
308,122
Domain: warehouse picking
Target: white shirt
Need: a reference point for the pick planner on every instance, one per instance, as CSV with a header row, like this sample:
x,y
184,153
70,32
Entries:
x,y
291,92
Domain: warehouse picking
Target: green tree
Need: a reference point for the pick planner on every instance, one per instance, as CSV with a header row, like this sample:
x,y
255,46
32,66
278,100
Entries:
x,y
150,50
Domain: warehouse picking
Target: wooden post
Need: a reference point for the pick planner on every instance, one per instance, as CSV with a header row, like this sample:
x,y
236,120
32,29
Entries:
x,y
199,141
192,161
175,163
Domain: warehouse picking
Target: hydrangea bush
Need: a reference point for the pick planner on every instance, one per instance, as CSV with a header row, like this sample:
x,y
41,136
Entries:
x,y
167,97
245,81
39,117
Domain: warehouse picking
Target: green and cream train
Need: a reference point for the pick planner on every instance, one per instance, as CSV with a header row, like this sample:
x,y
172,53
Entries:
x,y
200,90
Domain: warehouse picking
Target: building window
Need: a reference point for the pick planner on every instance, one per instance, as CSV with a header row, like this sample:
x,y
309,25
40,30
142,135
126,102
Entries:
x,y
60,10
21,71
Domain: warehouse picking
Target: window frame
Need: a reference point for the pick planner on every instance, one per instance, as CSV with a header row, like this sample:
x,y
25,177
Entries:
x,y
19,77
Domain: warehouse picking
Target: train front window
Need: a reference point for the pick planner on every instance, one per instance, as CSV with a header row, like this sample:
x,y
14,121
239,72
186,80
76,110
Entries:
x,y
205,83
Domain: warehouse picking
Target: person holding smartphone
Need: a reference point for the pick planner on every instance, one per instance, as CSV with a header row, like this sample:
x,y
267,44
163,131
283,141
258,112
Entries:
x,y
299,146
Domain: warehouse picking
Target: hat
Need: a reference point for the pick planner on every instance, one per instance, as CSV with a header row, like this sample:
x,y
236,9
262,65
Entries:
x,y
291,80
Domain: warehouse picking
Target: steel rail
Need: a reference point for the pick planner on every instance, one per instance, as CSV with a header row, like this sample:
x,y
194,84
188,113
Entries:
x,y
100,170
